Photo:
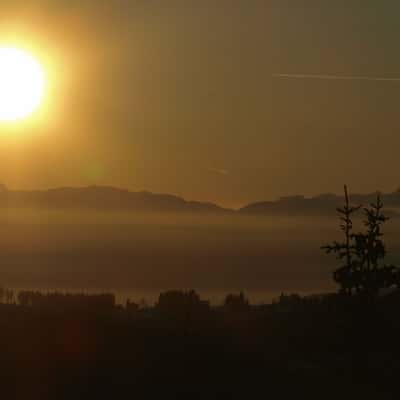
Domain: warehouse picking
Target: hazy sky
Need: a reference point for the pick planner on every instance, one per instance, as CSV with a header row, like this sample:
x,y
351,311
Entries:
x,y
181,96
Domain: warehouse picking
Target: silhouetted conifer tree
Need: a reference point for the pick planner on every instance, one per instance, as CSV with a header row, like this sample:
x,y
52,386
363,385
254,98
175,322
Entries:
x,y
370,248
363,252
344,250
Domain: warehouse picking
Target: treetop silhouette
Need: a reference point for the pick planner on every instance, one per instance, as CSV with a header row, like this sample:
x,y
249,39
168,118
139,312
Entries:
x,y
362,253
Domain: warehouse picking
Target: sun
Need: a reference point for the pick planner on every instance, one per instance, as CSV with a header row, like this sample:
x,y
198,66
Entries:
x,y
22,84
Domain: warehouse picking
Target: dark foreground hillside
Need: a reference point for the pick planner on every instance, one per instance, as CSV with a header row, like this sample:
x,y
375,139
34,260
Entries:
x,y
325,348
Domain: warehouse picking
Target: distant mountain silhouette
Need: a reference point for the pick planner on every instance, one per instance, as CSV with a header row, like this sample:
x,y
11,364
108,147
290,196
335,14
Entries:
x,y
102,198
323,204
111,198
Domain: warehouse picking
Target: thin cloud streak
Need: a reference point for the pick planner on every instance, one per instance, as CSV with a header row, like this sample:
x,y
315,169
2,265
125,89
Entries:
x,y
336,77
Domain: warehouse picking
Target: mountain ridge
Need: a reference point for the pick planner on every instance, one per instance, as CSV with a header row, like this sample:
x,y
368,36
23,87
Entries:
x,y
113,198
103,197
322,204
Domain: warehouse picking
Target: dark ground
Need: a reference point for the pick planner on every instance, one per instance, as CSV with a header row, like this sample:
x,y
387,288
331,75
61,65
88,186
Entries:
x,y
326,349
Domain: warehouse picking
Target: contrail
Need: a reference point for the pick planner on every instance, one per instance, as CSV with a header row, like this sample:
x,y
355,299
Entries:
x,y
336,77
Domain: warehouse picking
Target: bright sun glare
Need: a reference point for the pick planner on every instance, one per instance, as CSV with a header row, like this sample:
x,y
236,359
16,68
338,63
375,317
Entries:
x,y
22,84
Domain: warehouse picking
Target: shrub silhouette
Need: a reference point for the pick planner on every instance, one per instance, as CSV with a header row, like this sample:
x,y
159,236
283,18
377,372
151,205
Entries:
x,y
236,303
180,304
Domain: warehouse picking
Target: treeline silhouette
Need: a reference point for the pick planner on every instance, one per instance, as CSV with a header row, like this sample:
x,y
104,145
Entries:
x,y
73,302
172,302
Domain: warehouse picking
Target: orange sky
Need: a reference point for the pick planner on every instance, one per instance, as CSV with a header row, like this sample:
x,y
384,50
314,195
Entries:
x,y
180,97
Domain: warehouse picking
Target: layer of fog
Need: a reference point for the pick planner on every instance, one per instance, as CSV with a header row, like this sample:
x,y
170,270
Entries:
x,y
138,255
